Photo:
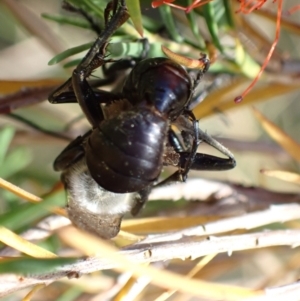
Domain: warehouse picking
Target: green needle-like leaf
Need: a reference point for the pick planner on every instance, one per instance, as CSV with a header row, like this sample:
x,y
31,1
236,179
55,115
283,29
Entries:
x,y
135,15
28,213
69,52
209,13
6,135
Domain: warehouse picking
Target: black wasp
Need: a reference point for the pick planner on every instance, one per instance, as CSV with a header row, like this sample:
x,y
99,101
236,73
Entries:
x,y
111,169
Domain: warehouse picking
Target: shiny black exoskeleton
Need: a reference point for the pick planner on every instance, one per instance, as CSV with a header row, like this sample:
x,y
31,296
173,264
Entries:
x,y
125,153
131,137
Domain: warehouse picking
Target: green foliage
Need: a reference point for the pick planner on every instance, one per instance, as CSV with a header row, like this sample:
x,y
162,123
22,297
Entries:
x,y
11,162
29,213
217,15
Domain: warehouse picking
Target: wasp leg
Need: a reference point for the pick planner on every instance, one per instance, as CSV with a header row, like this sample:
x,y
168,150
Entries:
x,y
179,146
191,160
208,162
101,96
140,200
95,58
64,88
200,162
71,154
215,144
192,153
65,93
95,26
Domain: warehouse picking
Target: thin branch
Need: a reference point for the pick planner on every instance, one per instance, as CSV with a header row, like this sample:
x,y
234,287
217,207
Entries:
x,y
276,213
184,247
219,198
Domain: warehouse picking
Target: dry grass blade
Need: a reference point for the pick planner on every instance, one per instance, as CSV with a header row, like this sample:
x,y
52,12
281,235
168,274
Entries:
x,y
222,99
42,230
163,224
201,263
31,197
124,236
132,288
85,243
17,242
33,291
286,142
283,175
19,191
11,86
217,98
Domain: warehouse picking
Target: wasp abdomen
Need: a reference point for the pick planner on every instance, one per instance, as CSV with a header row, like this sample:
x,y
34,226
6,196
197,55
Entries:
x,y
125,153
